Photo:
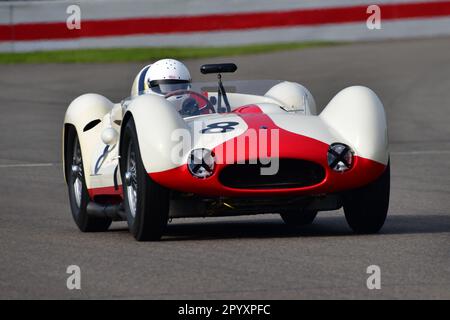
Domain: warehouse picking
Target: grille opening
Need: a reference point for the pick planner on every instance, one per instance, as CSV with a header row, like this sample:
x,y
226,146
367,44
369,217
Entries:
x,y
292,173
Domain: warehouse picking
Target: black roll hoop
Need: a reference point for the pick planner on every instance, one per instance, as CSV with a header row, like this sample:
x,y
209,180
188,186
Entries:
x,y
218,68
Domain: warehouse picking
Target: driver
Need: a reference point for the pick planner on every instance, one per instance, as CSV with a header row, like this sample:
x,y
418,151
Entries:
x,y
162,77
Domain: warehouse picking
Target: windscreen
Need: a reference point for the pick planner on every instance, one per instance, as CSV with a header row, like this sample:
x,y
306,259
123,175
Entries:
x,y
197,98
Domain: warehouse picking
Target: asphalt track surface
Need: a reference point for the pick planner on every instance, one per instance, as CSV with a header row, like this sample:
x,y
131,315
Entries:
x,y
245,257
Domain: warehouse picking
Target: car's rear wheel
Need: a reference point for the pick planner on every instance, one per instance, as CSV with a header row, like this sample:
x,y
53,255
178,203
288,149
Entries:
x,y
146,202
366,208
78,194
302,218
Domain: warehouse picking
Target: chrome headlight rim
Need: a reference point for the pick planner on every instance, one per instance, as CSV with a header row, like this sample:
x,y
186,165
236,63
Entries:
x,y
201,163
340,157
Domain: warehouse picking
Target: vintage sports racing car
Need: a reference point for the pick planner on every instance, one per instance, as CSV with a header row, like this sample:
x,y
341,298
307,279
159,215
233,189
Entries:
x,y
226,149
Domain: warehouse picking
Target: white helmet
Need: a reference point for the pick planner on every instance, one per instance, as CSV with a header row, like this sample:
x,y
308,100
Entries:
x,y
162,77
167,75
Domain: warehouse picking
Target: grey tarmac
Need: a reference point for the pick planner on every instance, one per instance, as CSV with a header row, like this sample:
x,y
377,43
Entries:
x,y
255,257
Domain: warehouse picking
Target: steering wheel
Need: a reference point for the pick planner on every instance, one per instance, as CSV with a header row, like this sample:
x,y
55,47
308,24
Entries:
x,y
208,106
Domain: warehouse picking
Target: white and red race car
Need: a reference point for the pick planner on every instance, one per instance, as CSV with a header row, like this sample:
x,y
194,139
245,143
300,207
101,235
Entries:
x,y
209,151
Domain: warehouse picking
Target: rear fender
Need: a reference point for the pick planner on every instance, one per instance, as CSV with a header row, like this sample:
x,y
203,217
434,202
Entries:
x,y
86,114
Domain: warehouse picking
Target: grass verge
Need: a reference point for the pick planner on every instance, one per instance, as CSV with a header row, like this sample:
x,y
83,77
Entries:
x,y
148,54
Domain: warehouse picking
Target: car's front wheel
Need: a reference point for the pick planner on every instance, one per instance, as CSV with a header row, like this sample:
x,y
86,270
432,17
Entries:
x,y
366,208
146,202
78,194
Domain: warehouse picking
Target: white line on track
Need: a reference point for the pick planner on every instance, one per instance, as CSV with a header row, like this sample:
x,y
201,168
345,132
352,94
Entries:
x,y
27,165
423,152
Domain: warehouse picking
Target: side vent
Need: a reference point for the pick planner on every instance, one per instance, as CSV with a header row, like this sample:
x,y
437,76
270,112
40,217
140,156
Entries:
x,y
91,125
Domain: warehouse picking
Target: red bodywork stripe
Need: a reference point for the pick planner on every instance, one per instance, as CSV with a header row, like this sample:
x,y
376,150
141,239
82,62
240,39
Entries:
x,y
96,192
219,22
291,145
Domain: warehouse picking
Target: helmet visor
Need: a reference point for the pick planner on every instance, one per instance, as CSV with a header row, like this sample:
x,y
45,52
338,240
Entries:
x,y
166,86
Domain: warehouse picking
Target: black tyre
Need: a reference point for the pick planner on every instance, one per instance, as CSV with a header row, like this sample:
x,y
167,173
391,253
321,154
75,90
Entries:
x,y
366,208
78,194
302,218
146,202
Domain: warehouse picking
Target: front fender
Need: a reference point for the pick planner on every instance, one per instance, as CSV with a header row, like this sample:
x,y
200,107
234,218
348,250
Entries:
x,y
357,114
156,121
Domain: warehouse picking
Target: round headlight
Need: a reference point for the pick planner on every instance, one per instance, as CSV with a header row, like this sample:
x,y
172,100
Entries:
x,y
201,163
340,157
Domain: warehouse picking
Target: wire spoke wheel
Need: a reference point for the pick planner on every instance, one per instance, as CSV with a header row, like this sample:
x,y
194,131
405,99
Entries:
x,y
77,172
131,179
78,191
146,202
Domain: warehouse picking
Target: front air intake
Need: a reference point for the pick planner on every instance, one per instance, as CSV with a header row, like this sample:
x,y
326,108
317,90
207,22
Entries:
x,y
292,173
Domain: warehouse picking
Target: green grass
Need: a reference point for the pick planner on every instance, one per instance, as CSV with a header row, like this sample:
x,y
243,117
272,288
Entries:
x,y
148,54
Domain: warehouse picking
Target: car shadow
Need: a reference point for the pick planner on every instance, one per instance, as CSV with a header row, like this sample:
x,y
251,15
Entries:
x,y
323,226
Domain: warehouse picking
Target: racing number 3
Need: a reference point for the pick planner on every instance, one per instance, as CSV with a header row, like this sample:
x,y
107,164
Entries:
x,y
220,127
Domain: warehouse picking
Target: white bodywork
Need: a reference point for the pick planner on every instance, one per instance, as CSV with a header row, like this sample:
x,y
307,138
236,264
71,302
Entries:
x,y
355,116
